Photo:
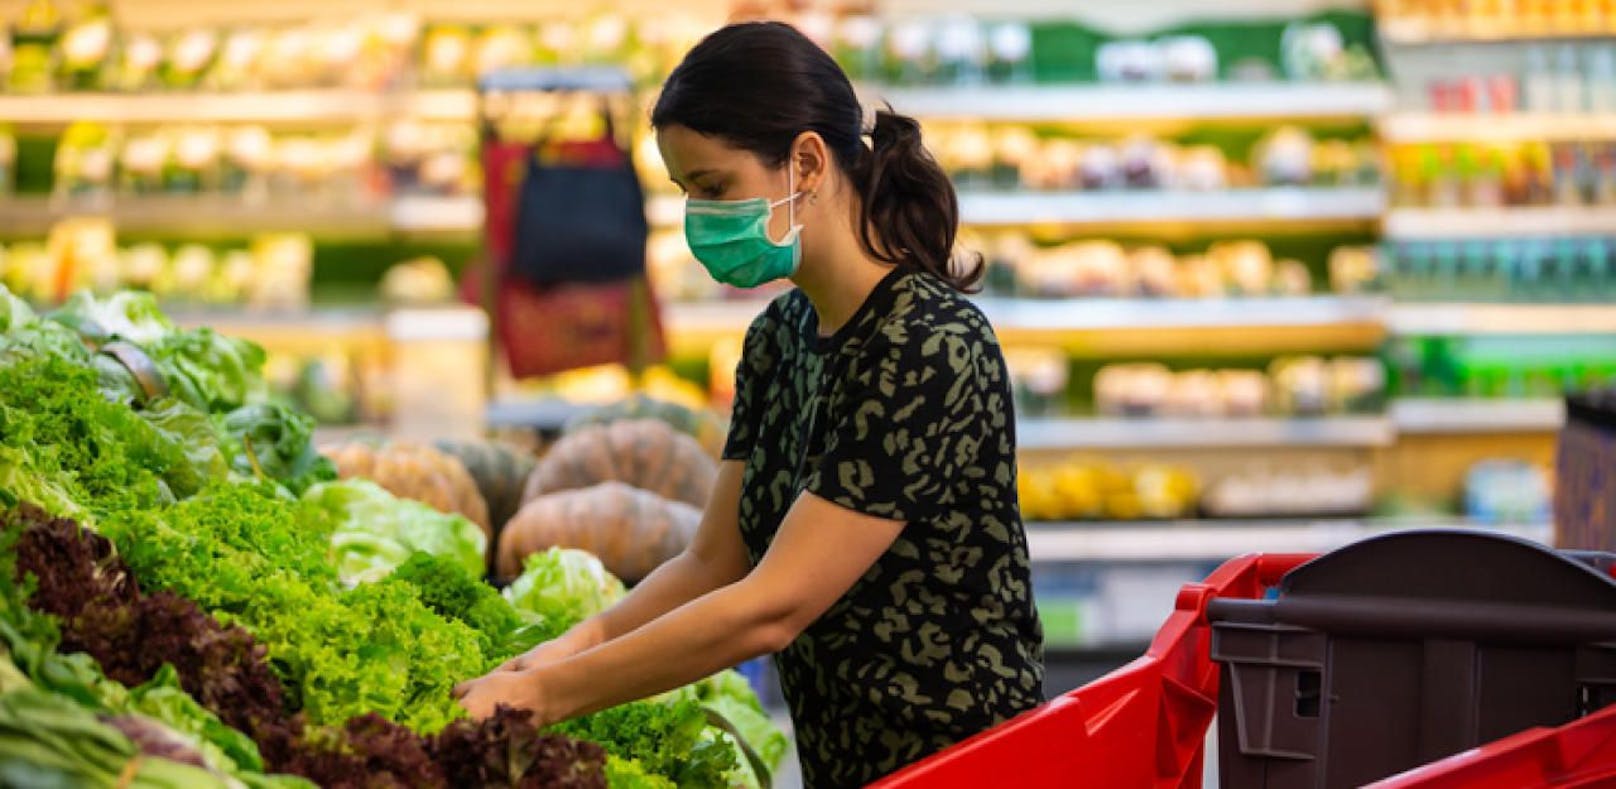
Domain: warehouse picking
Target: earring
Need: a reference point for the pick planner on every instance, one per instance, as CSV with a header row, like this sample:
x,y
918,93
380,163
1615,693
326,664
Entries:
x,y
813,197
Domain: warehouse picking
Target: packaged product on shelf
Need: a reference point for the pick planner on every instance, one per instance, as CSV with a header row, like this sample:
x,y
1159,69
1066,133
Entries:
x,y
188,55
1041,376
1502,491
194,167
34,38
139,56
285,263
1265,492
144,157
421,281
1091,489
86,50
84,163
8,161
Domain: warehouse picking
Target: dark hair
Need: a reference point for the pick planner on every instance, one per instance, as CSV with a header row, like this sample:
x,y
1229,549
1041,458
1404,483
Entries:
x,y
758,85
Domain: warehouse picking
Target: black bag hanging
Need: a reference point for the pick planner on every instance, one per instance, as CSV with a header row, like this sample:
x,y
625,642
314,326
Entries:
x,y
581,221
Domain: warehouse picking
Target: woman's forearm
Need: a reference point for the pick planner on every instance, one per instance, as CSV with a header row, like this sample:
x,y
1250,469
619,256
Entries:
x,y
707,635
678,581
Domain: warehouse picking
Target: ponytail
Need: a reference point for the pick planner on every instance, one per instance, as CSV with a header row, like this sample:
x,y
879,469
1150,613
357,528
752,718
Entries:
x,y
909,213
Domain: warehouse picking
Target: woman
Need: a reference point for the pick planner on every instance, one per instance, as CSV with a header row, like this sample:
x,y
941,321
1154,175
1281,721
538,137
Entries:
x,y
864,525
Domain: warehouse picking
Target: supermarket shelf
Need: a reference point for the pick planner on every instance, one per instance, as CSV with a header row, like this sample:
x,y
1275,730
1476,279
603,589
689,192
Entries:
x,y
1119,326
1440,416
1467,319
1111,208
289,106
1454,127
1135,207
295,331
1344,432
1418,35
215,216
1213,541
1137,102
1467,223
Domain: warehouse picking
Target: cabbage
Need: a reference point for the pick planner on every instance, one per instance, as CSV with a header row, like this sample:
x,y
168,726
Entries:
x,y
376,531
564,586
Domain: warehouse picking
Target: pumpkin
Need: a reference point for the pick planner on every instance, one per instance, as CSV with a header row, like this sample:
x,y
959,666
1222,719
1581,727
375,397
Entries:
x,y
500,470
632,531
644,453
700,425
417,472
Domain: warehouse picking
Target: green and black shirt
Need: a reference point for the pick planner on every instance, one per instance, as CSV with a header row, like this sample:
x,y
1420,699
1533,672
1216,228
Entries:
x,y
905,413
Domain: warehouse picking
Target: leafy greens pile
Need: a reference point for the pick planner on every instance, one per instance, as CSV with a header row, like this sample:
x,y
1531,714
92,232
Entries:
x,y
284,622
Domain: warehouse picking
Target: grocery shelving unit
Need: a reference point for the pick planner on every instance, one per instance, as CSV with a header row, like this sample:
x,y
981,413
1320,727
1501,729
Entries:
x,y
320,106
216,216
1100,103
1407,224
1425,416
1471,319
1456,127
1215,541
1337,432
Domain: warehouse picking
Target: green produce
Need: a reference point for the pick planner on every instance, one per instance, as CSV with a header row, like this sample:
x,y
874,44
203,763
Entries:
x,y
273,441
563,586
448,589
377,532
665,738
251,557
128,315
47,740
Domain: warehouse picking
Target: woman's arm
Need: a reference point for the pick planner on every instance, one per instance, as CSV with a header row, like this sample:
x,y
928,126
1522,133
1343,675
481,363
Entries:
x,y
821,550
716,557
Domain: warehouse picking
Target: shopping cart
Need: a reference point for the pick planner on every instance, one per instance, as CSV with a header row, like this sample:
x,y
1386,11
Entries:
x,y
1145,725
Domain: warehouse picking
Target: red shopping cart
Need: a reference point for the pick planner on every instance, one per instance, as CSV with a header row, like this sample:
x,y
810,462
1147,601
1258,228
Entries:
x,y
1145,725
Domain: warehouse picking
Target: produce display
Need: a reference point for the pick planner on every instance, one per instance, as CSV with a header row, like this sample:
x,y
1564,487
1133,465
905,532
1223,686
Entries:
x,y
1437,18
1453,175
56,51
697,422
250,164
414,471
633,531
1099,268
1094,489
163,512
271,273
1292,386
980,157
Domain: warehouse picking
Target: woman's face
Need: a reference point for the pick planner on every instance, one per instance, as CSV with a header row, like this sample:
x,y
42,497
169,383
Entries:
x,y
707,168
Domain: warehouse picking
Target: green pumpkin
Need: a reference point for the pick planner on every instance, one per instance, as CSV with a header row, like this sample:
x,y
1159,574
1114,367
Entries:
x,y
500,471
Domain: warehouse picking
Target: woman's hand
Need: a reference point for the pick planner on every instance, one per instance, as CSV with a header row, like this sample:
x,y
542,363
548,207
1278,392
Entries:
x,y
546,653
517,689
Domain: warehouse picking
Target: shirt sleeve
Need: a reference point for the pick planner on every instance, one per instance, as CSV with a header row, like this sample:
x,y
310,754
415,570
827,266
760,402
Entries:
x,y
910,432
756,365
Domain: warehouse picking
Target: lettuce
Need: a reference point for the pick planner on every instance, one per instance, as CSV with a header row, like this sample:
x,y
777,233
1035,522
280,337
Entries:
x,y
563,586
274,441
127,315
209,370
453,593
377,531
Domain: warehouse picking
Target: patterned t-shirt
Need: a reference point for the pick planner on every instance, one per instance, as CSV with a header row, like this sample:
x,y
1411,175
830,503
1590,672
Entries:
x,y
905,413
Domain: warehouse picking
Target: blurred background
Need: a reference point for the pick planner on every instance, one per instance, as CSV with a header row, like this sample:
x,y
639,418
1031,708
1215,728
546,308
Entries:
x,y
1272,275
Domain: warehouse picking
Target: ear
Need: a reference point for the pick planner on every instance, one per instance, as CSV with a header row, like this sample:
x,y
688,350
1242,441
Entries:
x,y
811,159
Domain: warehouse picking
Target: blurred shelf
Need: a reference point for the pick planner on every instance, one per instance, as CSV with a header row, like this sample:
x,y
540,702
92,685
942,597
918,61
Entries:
x,y
313,330
223,216
1095,102
1437,319
1345,432
1110,327
1408,224
548,414
284,106
1215,541
1403,33
1444,416
1236,206
1454,127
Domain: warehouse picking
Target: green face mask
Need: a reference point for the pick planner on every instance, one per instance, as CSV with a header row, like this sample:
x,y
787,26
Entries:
x,y
731,239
